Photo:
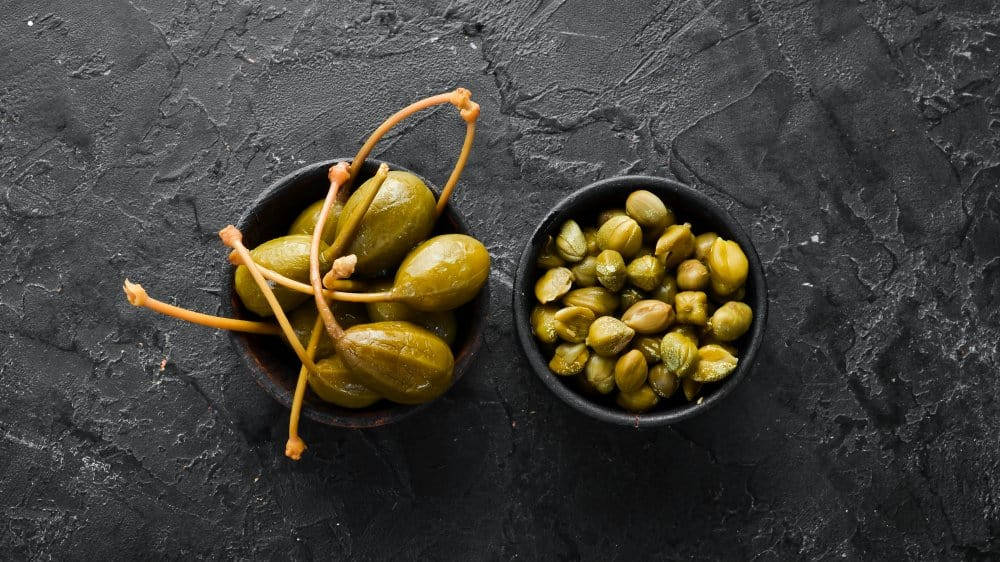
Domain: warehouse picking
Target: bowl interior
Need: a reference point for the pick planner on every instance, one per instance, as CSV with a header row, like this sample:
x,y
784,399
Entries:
x,y
688,205
272,363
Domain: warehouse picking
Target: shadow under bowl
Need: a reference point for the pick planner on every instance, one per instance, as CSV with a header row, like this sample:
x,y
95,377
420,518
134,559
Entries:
x,y
272,363
689,205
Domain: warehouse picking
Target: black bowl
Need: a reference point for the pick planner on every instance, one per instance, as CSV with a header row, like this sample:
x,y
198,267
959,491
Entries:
x,y
689,205
272,363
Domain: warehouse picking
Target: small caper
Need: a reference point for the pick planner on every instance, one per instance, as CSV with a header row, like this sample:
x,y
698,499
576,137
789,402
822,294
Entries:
x,y
553,284
609,336
675,245
573,322
547,256
678,353
569,359
730,321
667,290
714,364
630,296
649,346
543,323
599,373
611,271
630,371
691,307
692,275
649,211
571,244
585,272
602,301
607,214
649,316
691,388
590,235
686,330
622,234
638,401
662,381
703,243
727,266
646,272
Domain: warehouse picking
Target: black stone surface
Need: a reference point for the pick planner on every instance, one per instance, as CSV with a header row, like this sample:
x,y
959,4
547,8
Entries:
x,y
859,142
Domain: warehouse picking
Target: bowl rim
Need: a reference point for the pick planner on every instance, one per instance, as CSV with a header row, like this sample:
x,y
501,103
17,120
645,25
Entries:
x,y
523,299
464,357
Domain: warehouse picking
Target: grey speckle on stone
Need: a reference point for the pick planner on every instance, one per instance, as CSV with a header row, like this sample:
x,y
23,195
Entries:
x,y
858,142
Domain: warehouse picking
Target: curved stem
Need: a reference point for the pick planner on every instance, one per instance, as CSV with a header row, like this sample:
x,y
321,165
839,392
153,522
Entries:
x,y
469,110
470,115
233,238
138,297
295,446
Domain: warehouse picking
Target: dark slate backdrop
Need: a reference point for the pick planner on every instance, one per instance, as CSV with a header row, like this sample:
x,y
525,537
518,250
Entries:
x,y
859,143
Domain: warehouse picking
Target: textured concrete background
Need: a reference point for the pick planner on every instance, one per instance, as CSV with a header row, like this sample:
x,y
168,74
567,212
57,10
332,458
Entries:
x,y
859,142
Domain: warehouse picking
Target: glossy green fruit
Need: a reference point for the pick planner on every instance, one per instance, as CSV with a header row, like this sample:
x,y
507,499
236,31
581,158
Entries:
x,y
400,216
334,382
287,255
602,301
569,359
630,371
639,400
306,221
662,381
399,360
442,273
543,323
599,374
303,319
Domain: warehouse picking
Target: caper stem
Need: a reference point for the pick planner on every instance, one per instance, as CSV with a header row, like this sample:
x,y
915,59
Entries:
x,y
305,288
232,237
295,446
338,176
470,112
138,297
382,296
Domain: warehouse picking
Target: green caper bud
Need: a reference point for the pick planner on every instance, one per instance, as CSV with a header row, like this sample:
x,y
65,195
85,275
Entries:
x,y
646,273
730,321
692,275
607,214
662,381
691,388
638,401
630,371
727,266
569,359
543,323
590,235
630,296
573,322
691,307
667,290
611,270
547,257
649,346
553,284
585,272
608,336
622,234
714,364
571,245
703,243
599,374
678,353
602,301
649,316
649,211
686,330
675,245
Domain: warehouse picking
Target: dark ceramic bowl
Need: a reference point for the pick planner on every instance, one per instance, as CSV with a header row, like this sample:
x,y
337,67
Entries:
x,y
272,363
689,205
